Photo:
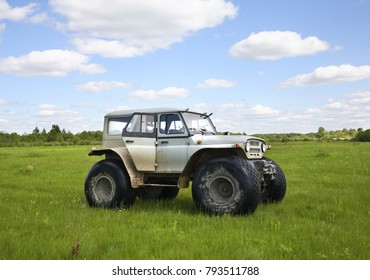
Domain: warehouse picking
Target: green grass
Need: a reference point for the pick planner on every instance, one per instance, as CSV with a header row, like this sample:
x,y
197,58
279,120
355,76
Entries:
x,y
325,214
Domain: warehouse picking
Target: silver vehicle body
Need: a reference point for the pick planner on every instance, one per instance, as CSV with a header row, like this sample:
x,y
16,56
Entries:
x,y
163,146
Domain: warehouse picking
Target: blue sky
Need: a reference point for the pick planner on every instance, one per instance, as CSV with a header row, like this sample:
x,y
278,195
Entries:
x,y
260,66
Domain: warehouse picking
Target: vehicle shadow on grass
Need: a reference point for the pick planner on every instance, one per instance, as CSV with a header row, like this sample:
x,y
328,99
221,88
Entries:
x,y
178,205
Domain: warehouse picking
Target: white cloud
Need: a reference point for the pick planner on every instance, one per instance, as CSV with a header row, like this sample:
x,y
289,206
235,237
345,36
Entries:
x,y
362,97
3,101
55,63
116,108
129,28
216,83
49,110
233,106
110,48
17,13
312,110
164,94
263,110
47,114
336,105
102,86
343,112
201,107
273,45
328,75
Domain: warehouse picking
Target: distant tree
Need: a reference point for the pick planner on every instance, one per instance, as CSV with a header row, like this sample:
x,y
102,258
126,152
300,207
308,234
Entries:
x,y
363,136
55,134
36,130
321,132
55,129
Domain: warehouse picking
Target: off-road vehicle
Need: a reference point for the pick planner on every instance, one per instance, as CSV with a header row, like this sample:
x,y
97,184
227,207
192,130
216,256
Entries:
x,y
152,153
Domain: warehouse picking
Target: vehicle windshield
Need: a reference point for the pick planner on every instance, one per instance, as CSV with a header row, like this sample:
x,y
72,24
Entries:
x,y
198,123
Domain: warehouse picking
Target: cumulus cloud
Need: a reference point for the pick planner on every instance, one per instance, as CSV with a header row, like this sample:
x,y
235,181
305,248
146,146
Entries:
x,y
54,63
228,106
274,45
264,110
336,105
102,86
352,111
49,110
362,97
132,28
216,83
164,94
16,14
328,75
348,111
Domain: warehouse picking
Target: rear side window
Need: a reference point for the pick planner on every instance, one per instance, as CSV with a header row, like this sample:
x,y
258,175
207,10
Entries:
x,y
116,125
141,125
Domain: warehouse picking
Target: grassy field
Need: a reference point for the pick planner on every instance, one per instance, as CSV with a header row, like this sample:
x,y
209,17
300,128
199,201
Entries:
x,y
325,214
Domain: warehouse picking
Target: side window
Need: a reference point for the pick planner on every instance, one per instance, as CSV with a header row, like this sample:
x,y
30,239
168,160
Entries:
x,y
140,126
171,124
116,125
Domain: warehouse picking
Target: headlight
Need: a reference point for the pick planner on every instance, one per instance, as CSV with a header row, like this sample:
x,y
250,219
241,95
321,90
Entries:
x,y
265,147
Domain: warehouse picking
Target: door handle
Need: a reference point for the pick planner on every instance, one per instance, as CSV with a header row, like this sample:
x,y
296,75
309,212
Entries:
x,y
129,141
164,142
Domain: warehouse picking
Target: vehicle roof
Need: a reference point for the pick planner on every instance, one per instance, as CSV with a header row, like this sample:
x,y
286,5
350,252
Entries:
x,y
147,110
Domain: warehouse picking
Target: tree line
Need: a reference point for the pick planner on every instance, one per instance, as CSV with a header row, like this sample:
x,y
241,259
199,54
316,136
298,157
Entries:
x,y
61,137
55,137
359,135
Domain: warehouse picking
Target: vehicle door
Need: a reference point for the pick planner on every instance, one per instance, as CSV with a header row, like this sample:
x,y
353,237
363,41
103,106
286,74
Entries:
x,y
139,136
172,143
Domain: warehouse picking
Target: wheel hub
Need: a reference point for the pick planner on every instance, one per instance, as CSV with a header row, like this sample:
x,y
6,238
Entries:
x,y
104,188
221,190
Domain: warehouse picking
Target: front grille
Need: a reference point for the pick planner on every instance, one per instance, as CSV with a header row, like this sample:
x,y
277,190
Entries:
x,y
254,143
253,149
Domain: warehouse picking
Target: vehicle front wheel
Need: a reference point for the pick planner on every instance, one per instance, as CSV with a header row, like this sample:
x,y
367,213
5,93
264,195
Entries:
x,y
108,185
226,185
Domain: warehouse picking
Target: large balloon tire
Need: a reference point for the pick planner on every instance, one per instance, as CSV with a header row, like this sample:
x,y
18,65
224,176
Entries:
x,y
108,185
226,186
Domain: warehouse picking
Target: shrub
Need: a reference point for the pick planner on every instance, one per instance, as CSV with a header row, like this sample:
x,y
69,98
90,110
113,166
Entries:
x,y
363,136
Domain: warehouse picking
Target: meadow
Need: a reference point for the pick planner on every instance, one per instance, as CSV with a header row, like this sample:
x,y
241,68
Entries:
x,y
325,213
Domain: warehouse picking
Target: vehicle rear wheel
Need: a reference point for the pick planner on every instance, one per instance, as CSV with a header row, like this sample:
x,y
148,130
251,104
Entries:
x,y
108,185
226,185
